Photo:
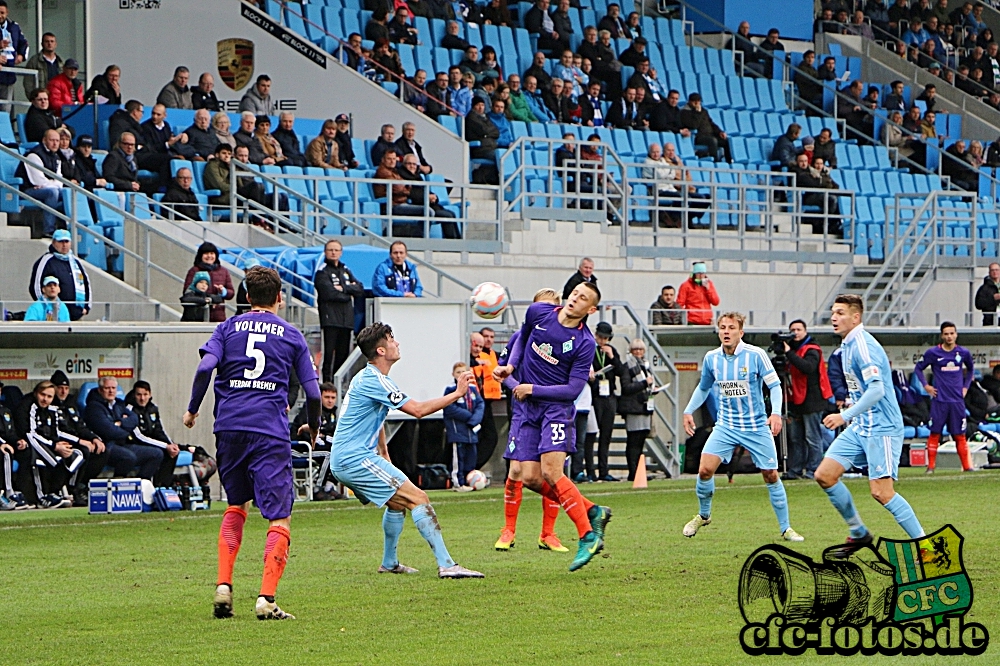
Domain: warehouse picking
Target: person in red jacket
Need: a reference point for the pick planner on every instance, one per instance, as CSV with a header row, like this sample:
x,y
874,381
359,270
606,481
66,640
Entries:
x,y
697,295
207,259
64,88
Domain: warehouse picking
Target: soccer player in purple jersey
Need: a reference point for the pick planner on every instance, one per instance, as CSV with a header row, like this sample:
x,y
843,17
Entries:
x,y
552,357
254,354
952,368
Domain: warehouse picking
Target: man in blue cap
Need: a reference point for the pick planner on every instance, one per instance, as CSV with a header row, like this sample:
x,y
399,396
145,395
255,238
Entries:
x,y
61,263
48,307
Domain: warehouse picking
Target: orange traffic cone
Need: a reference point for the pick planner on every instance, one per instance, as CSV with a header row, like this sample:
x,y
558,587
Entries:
x,y
640,473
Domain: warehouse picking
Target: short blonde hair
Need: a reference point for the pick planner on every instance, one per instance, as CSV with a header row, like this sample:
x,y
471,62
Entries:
x,y
636,343
460,364
546,294
738,317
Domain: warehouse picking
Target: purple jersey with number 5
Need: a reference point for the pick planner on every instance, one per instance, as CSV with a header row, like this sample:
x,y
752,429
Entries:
x,y
256,352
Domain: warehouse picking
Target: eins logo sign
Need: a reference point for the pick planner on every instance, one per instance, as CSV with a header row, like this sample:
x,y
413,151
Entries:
x,y
905,597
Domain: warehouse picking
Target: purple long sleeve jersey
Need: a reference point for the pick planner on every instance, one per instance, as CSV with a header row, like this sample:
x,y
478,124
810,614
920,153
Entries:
x,y
553,358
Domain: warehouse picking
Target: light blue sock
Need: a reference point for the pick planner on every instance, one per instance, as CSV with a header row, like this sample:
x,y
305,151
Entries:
x,y
779,502
427,524
392,525
705,490
903,513
842,501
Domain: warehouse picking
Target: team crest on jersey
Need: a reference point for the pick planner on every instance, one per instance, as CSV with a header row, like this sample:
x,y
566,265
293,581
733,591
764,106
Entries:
x,y
396,397
152,417
567,346
744,371
545,351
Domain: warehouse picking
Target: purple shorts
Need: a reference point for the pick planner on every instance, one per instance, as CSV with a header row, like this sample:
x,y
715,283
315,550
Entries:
x,y
951,414
544,427
258,467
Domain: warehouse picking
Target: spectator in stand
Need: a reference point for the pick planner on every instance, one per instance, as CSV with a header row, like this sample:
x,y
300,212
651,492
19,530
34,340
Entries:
x,y
898,13
197,299
400,30
645,78
343,139
106,87
336,288
111,419
353,55
86,165
437,96
635,404
613,23
499,118
809,176
859,27
54,458
635,52
486,89
452,40
828,72
414,93
536,100
64,89
385,142
409,170
956,165
991,382
459,95
39,185
176,94
216,177
127,120
377,28
180,200
288,140
496,13
48,307
928,96
268,144
624,113
806,79
46,62
39,118
398,198
397,276
697,295
894,101
420,8
826,148
203,95
13,53
517,101
584,273
407,145
878,14
324,150
596,47
770,44
470,64
220,130
538,22
708,134
201,140
988,295
462,421
245,138
666,116
591,110
784,150
553,98
67,155
159,139
665,310
207,259
385,57
150,430
539,70
257,100
561,23
742,42
478,127
916,35
491,67
894,136
120,167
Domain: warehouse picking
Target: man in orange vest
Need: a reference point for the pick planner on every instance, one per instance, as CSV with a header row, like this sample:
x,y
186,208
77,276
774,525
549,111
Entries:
x,y
489,388
809,394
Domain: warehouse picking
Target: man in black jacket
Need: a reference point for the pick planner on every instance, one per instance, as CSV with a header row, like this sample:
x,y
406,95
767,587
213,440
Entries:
x,y
407,145
86,165
591,113
806,79
201,140
127,120
810,398
752,57
410,171
695,117
115,424
285,135
336,288
538,22
70,420
624,113
179,199
636,51
120,167
39,117
666,116
988,295
343,139
585,273
203,94
602,388
480,128
150,430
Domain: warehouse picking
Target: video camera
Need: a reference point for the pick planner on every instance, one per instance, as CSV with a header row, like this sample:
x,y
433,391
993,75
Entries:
x,y
778,341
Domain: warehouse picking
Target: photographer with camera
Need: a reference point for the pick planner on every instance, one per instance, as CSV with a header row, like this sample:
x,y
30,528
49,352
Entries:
x,y
809,396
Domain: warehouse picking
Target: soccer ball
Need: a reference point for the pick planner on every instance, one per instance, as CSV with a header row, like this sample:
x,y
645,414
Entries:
x,y
477,480
489,300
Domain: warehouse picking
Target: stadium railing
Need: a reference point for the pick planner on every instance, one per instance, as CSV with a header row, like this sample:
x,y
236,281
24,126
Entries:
x,y
106,310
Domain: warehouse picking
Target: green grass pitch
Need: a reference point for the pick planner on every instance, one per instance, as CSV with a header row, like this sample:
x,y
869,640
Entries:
x,y
82,589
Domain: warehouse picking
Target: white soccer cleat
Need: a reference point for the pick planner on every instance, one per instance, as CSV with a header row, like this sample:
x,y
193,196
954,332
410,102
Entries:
x,y
268,610
695,524
458,571
398,569
223,601
792,535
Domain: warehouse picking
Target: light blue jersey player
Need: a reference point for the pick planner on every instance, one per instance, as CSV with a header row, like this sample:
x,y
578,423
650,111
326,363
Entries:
x,y
737,370
360,460
874,436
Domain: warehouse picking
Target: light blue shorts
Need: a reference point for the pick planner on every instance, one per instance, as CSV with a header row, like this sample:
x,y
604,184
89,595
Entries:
x,y
373,479
880,453
759,443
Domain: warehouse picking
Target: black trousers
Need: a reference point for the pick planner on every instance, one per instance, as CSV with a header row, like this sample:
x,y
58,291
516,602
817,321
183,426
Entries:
x,y
93,464
583,459
713,143
635,443
604,410
487,436
336,348
164,476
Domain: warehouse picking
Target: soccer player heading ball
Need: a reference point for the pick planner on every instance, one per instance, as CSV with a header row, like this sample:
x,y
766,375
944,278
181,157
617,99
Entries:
x,y
360,460
738,369
552,357
254,354
875,434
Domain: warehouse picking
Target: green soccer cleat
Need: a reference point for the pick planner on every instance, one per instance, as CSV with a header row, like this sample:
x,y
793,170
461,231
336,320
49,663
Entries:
x,y
599,517
590,546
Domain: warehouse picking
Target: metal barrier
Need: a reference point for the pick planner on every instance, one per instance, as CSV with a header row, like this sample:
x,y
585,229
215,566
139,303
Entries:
x,y
106,310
